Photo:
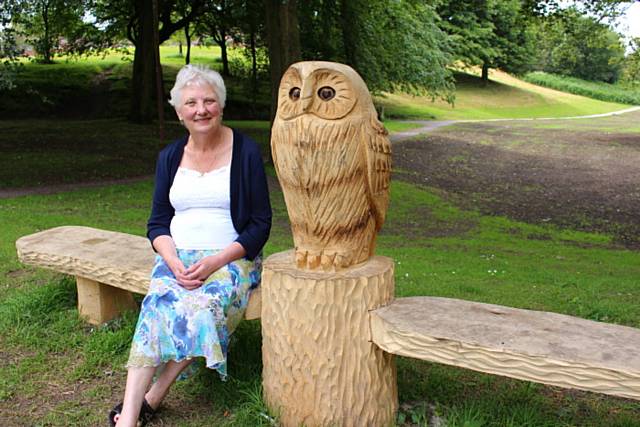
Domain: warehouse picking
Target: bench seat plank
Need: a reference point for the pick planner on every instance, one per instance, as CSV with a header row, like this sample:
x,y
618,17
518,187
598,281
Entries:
x,y
543,347
116,259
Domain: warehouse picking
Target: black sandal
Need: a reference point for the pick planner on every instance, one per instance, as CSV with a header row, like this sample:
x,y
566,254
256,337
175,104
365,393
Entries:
x,y
113,413
146,413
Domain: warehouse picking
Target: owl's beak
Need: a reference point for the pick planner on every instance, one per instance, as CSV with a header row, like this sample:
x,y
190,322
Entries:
x,y
306,97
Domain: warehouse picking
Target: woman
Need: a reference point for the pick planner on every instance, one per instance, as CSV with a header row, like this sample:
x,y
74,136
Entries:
x,y
209,221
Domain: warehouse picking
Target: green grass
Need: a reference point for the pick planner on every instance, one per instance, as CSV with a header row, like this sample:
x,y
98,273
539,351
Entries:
x,y
42,152
438,249
64,372
47,152
596,90
99,87
503,97
397,126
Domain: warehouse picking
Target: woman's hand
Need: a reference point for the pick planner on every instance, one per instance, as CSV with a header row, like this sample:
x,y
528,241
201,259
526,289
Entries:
x,y
204,268
177,267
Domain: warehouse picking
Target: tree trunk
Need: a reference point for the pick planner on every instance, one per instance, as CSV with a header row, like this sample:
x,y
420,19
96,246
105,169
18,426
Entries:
x,y
144,64
283,37
46,45
254,68
187,35
485,73
158,70
223,52
320,367
349,37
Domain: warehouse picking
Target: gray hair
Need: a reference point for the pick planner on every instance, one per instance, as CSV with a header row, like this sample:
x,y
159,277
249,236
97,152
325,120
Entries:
x,y
196,75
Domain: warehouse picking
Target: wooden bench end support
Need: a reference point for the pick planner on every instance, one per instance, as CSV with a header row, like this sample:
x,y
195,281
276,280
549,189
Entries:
x,y
99,303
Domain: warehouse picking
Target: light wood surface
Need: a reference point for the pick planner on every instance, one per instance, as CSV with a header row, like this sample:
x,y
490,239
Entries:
x,y
99,303
333,160
537,346
107,258
319,365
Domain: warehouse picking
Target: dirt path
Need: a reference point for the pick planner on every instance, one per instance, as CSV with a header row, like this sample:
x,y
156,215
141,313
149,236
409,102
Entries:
x,y
427,126
582,175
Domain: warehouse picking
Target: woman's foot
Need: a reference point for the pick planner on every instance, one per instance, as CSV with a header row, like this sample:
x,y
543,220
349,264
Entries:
x,y
146,413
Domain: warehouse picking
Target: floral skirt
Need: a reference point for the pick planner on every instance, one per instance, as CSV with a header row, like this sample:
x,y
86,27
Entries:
x,y
178,324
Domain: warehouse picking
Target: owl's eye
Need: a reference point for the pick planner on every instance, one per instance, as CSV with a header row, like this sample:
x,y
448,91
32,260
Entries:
x,y
294,93
326,93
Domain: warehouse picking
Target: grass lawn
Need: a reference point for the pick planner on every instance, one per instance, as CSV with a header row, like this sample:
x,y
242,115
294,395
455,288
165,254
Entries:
x,y
439,250
596,90
41,152
58,371
503,97
99,86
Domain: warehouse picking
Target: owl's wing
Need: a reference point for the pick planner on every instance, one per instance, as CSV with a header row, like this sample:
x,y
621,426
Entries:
x,y
378,153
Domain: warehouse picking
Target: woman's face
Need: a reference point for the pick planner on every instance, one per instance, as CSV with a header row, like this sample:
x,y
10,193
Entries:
x,y
199,109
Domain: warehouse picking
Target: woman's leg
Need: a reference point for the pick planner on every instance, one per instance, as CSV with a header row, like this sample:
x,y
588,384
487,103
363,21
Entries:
x,y
160,388
167,377
138,380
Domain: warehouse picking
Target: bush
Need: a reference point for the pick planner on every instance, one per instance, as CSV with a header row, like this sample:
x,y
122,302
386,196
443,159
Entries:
x,y
596,90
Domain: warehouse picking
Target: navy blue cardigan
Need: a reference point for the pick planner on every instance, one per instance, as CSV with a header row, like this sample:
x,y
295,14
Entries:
x,y
250,207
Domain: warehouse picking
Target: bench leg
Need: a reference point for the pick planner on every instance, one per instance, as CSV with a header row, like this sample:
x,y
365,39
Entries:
x,y
99,303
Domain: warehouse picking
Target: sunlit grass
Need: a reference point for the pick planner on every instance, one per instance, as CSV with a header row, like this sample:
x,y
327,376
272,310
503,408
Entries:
x,y
503,97
438,249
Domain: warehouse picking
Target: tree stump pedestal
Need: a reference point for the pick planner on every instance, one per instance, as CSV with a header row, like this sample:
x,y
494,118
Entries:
x,y
320,367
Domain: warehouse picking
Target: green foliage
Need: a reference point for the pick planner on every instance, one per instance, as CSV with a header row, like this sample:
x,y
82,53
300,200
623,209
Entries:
x,y
487,33
595,90
572,44
52,25
392,45
631,73
9,51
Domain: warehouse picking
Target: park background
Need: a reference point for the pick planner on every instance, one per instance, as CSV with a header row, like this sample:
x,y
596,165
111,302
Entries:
x,y
537,214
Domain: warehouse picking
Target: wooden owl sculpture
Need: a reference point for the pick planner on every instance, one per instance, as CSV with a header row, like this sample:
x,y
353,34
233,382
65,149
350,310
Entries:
x,y
333,160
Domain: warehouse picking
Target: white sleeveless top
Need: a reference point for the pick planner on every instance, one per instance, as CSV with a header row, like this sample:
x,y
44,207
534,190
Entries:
x,y
202,206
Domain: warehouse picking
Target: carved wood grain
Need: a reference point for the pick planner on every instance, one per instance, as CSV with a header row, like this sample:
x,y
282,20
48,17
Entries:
x,y
116,259
319,366
530,345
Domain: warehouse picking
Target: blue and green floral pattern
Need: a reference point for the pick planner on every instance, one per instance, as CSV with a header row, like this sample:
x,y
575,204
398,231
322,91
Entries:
x,y
177,324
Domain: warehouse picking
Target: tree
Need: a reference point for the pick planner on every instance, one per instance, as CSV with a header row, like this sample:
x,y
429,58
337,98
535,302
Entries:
x,y
397,46
251,32
603,11
572,44
217,22
135,18
49,23
9,51
393,45
283,39
632,63
487,33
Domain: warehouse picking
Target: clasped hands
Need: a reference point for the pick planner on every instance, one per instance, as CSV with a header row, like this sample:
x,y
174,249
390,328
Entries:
x,y
193,277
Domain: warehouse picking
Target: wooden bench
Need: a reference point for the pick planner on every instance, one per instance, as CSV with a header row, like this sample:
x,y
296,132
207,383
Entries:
x,y
108,267
537,346
543,347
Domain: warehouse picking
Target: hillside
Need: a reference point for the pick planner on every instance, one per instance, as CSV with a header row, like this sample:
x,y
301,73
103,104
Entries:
x,y
504,96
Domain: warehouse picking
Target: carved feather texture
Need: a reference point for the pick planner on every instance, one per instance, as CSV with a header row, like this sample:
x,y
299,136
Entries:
x,y
333,161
